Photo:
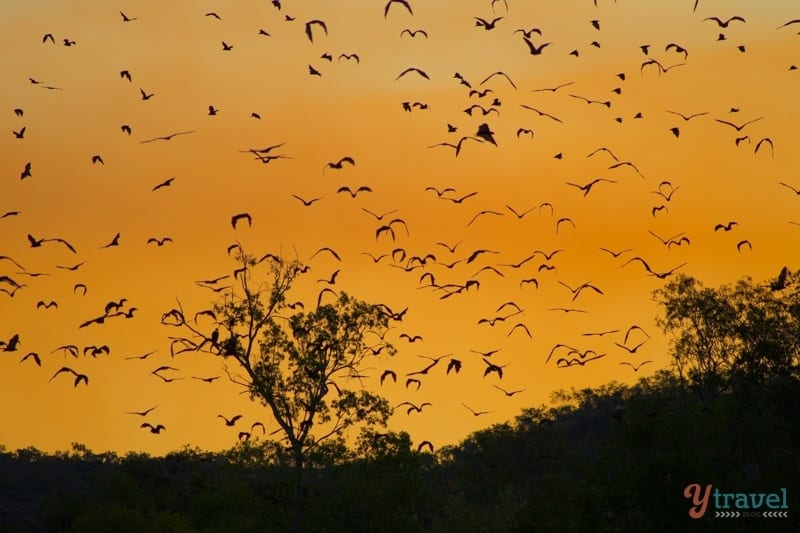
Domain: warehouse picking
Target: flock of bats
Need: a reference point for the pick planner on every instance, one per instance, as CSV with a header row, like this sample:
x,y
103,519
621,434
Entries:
x,y
448,270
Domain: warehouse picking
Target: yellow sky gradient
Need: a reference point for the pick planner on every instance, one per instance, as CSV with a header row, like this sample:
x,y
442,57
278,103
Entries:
x,y
354,109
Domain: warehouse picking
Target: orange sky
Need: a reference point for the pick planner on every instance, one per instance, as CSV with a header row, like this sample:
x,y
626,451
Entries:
x,y
355,109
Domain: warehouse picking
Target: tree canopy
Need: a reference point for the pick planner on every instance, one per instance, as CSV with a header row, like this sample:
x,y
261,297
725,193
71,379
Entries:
x,y
304,367
747,331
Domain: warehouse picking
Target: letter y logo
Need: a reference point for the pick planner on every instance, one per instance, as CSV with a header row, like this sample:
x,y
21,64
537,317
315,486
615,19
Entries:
x,y
699,499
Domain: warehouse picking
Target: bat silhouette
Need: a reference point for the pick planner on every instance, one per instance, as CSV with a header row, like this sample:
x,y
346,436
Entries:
x,y
349,56
34,356
388,373
600,333
636,367
480,94
542,113
726,227
552,89
26,173
534,50
480,213
159,242
796,191
114,242
487,25
521,326
587,188
565,363
660,191
36,243
626,164
454,365
580,288
412,69
413,407
78,377
331,280
736,126
326,249
457,148
508,393
379,217
6,278
485,133
413,381
404,3
680,50
562,220
762,141
499,73
451,249
413,33
68,349
528,33
353,193
207,380
724,23
474,412
616,254
141,413
316,22
337,165
659,275
166,183
590,101
143,356
424,444
241,216
167,137
633,349
305,202
323,291
518,214
230,422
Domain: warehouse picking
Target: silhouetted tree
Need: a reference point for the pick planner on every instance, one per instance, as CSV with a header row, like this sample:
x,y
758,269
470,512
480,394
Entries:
x,y
702,323
300,366
747,332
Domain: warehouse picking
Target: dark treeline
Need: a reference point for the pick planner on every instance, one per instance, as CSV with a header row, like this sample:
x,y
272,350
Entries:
x,y
616,458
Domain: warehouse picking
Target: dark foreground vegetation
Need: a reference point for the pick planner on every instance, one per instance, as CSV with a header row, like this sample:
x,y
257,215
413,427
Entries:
x,y
612,459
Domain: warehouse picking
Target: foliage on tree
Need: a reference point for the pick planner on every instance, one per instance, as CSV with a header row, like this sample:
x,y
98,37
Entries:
x,y
612,458
745,331
570,466
302,366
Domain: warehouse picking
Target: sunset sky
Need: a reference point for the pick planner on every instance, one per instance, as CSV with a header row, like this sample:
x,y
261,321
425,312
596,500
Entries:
x,y
174,50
